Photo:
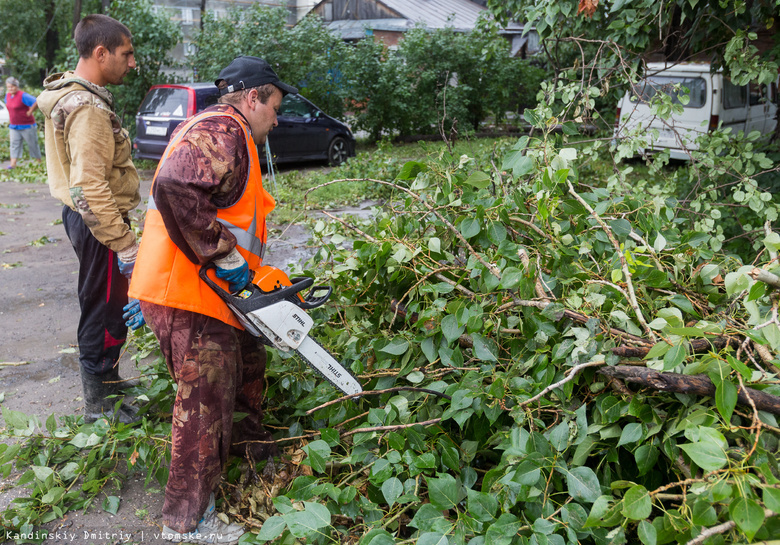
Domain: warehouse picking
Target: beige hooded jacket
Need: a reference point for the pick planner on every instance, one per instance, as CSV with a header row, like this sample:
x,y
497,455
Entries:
x,y
88,157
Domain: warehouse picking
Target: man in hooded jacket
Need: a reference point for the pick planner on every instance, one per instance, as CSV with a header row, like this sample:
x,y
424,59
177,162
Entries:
x,y
88,159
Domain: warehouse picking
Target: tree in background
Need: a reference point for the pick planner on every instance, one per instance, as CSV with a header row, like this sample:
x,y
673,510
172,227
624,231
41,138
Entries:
x,y
37,38
306,54
154,35
434,78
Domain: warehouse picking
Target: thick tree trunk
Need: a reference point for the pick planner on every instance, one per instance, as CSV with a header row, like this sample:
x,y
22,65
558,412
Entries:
x,y
687,384
52,36
76,14
202,13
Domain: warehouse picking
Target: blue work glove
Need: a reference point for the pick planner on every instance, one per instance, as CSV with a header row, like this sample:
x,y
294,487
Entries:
x,y
126,268
234,269
135,319
126,260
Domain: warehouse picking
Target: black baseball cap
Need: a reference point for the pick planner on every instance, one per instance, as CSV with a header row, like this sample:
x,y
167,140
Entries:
x,y
246,72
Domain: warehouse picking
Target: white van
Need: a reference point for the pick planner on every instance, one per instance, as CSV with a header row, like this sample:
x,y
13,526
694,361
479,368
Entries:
x,y
714,101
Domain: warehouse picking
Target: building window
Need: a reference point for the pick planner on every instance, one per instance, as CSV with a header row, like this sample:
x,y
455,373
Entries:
x,y
186,16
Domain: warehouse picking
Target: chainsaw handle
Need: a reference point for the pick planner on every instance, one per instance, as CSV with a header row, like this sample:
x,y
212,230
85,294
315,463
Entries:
x,y
313,301
260,298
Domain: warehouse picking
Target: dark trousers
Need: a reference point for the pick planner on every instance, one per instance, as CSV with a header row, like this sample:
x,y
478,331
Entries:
x,y
218,369
102,293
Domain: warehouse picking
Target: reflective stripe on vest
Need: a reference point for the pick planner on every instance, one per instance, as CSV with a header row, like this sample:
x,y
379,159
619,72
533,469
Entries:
x,y
245,238
165,276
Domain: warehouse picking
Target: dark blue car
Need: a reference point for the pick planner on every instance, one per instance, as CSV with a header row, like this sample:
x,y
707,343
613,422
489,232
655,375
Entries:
x,y
304,133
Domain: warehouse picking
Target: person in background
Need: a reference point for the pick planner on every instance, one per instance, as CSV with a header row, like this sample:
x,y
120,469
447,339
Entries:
x,y
90,170
23,127
208,205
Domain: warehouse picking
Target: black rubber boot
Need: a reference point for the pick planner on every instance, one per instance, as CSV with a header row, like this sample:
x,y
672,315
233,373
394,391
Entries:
x,y
97,389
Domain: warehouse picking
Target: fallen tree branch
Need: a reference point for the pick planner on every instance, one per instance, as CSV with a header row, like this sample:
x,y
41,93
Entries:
x,y
766,277
688,384
374,393
624,266
572,373
696,345
391,428
725,527
489,266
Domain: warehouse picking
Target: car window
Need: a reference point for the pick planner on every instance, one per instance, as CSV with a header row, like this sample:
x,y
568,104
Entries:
x,y
207,98
734,96
696,88
757,93
165,101
295,106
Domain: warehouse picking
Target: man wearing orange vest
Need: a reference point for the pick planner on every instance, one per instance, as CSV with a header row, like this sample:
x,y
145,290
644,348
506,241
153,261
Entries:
x,y
208,204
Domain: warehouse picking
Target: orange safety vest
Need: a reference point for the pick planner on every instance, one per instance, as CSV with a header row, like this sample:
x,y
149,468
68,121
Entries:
x,y
165,276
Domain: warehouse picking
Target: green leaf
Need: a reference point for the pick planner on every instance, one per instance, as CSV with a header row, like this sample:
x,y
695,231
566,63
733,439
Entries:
x,y
54,495
620,228
503,531
531,117
396,347
646,456
392,488
307,522
647,533
470,227
450,328
484,349
637,504
429,519
496,232
319,452
771,498
42,472
726,395
482,506
272,528
15,419
443,492
432,538
706,454
736,282
583,484
511,277
411,169
111,504
527,472
675,356
703,514
631,434
739,367
748,515
570,128
659,349
478,179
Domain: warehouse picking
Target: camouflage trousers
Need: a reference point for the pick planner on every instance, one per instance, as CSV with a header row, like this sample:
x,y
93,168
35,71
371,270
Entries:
x,y
218,369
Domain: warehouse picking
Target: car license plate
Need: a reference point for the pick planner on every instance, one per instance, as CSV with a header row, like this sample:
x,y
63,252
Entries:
x,y
156,131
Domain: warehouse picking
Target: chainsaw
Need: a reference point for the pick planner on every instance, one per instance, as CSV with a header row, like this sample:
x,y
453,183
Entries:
x,y
272,308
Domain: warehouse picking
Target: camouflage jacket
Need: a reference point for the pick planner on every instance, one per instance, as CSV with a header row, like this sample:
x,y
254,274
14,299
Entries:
x,y
88,157
206,170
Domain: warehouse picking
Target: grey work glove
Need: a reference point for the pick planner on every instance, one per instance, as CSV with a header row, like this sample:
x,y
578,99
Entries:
x,y
126,259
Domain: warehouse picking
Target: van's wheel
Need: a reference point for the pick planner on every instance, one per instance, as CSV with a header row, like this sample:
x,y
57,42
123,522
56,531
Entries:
x,y
338,151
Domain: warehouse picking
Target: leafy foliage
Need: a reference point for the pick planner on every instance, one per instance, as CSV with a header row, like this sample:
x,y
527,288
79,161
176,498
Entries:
x,y
434,75
68,465
154,35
